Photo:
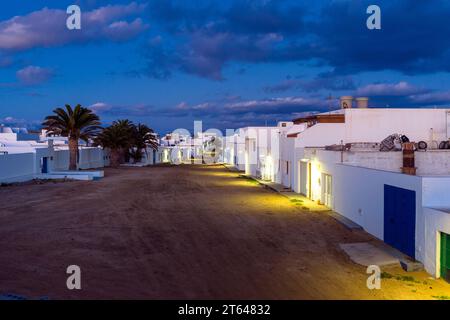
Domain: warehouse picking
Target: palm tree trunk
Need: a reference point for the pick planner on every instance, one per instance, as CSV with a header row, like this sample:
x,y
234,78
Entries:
x,y
73,153
115,158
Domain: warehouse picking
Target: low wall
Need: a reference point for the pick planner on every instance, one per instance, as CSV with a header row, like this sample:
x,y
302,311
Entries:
x,y
90,158
431,162
16,167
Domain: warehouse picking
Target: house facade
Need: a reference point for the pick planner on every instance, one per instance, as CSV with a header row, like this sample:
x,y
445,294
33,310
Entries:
x,y
338,163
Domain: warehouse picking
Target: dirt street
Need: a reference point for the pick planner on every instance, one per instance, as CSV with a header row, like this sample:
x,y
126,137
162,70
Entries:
x,y
182,232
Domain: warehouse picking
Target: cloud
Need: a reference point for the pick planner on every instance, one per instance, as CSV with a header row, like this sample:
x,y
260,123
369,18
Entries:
x,y
207,53
322,82
410,40
401,88
254,111
432,98
403,95
47,27
20,123
33,75
206,38
139,110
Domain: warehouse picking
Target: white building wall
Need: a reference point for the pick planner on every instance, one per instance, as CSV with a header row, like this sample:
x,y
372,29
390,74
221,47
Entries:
x,y
374,125
320,135
61,160
358,194
287,155
91,158
430,162
17,167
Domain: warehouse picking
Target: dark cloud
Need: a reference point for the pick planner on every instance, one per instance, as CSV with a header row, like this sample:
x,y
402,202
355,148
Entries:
x,y
403,95
322,82
210,36
232,113
414,37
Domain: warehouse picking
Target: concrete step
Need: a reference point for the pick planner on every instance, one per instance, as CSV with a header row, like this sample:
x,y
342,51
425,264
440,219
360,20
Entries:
x,y
409,265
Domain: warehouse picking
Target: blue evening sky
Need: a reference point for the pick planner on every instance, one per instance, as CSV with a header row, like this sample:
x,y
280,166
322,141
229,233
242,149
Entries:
x,y
229,63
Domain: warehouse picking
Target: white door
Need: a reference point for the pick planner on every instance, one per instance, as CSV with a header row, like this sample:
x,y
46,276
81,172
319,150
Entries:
x,y
287,174
303,169
326,190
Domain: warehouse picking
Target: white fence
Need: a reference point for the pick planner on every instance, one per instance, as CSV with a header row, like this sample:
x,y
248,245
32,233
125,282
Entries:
x,y
19,167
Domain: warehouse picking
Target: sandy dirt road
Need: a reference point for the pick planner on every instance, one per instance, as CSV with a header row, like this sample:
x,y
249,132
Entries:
x,y
184,232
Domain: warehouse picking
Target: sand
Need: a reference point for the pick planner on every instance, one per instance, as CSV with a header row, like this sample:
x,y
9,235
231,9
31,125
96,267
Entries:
x,y
181,232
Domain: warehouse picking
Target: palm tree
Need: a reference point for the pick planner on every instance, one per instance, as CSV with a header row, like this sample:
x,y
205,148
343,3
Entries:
x,y
143,137
77,124
118,138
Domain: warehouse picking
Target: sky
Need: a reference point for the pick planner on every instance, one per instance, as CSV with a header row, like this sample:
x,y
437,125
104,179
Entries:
x,y
228,63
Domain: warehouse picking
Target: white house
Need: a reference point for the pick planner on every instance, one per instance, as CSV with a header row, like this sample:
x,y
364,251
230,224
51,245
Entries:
x,y
26,160
339,163
260,151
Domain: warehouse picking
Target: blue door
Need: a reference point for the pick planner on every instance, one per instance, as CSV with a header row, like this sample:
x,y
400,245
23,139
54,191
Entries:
x,y
400,219
45,165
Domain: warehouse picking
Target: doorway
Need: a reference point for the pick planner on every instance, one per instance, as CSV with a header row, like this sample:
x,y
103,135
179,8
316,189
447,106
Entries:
x,y
400,219
44,165
327,190
304,178
445,256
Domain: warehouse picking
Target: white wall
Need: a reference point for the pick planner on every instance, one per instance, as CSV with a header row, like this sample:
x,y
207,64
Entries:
x,y
430,162
320,135
91,158
358,194
374,125
287,155
16,167
436,191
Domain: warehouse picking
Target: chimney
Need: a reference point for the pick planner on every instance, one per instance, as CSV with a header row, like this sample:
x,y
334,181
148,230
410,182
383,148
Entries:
x,y
362,102
346,102
408,159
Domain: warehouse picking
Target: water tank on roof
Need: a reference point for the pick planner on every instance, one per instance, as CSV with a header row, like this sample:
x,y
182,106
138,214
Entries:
x,y
362,102
7,130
